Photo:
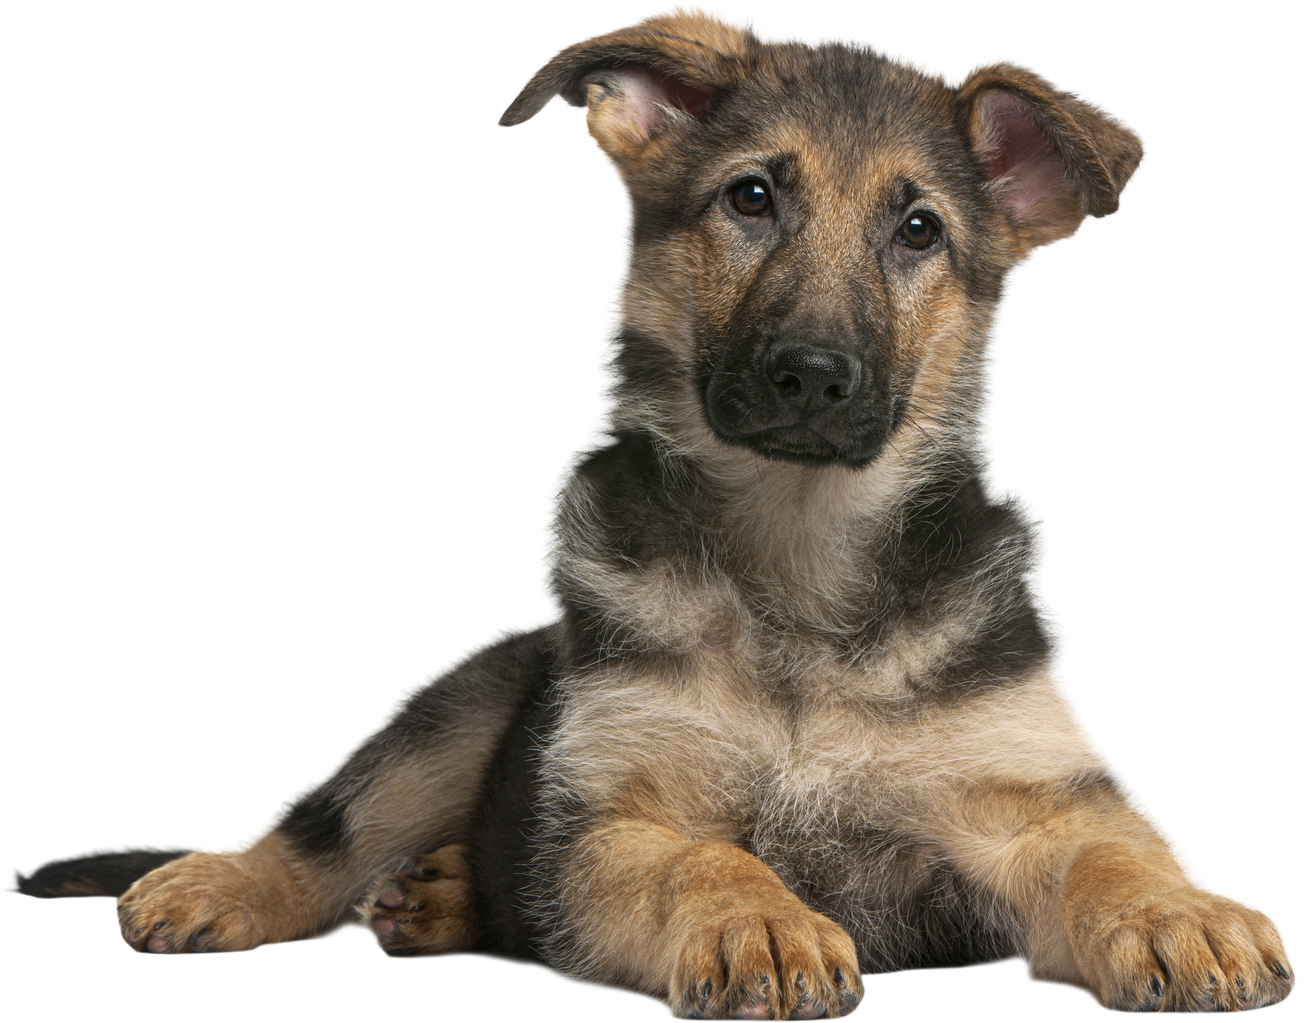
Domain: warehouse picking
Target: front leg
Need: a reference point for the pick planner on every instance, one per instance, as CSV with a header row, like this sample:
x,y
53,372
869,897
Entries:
x,y
1101,901
1144,937
704,924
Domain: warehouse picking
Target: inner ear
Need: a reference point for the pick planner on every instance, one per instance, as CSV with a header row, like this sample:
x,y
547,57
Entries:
x,y
634,102
1013,150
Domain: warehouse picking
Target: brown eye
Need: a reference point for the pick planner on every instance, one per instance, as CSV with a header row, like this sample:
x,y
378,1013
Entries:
x,y
751,198
919,232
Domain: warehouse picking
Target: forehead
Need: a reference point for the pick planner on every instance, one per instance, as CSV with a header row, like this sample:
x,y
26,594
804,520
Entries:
x,y
844,114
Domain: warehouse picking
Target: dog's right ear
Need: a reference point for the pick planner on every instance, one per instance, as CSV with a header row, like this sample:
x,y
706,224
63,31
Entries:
x,y
643,82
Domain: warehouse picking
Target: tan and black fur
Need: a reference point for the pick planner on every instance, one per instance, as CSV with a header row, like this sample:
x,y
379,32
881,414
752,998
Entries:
x,y
796,722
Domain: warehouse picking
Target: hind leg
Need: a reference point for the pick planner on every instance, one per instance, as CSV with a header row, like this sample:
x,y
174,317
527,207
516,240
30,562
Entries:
x,y
425,907
413,786
304,876
220,902
302,879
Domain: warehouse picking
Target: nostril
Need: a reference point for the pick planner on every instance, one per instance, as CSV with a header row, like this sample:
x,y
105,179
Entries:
x,y
806,373
789,384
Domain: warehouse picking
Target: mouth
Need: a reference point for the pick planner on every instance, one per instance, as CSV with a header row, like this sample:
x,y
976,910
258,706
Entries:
x,y
803,446
793,412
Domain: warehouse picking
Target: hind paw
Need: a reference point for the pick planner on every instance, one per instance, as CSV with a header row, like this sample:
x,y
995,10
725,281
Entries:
x,y
425,907
219,902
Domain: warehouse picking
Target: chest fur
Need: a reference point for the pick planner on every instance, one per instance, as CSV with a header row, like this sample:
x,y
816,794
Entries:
x,y
737,749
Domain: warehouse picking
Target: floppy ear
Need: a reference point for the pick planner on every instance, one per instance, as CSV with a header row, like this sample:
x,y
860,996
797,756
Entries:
x,y
1048,157
641,82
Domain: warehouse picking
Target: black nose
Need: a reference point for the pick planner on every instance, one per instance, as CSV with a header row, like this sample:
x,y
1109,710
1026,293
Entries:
x,y
813,376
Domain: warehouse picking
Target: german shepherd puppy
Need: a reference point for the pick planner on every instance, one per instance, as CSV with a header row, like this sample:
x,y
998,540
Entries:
x,y
797,721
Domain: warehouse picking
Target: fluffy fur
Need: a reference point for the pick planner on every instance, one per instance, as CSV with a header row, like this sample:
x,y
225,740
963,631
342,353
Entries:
x,y
796,721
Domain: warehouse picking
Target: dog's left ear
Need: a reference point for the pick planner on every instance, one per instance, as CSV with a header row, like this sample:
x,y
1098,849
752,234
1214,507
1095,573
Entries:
x,y
642,83
1048,157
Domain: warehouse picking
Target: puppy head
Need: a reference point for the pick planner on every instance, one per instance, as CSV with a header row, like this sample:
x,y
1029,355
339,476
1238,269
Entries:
x,y
820,234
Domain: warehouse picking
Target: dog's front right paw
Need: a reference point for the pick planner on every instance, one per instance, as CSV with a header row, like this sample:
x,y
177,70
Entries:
x,y
790,964
218,899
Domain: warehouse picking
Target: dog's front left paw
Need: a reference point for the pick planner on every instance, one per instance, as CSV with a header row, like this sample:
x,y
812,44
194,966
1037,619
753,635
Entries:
x,y
426,907
794,964
1193,949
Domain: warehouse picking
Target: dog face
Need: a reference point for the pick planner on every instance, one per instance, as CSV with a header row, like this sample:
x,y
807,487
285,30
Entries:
x,y
820,234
